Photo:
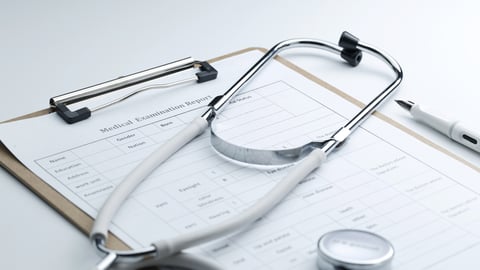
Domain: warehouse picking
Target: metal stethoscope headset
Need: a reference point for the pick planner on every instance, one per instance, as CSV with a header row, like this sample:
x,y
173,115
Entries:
x,y
342,249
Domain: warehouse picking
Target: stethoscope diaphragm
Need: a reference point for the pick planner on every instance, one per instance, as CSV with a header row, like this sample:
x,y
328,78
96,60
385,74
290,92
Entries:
x,y
353,250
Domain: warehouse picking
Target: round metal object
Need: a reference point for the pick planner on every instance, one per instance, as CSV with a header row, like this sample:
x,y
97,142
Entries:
x,y
354,250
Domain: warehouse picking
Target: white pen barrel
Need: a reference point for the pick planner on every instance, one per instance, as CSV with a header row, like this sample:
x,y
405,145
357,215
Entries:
x,y
465,136
456,130
441,124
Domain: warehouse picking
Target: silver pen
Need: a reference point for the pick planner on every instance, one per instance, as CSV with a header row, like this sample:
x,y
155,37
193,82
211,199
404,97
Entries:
x,y
453,129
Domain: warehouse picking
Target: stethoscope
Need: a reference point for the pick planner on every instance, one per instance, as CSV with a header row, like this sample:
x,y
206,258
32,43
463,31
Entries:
x,y
340,249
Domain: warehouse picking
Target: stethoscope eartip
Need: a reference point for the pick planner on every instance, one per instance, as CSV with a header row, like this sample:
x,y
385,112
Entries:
x,y
353,250
348,41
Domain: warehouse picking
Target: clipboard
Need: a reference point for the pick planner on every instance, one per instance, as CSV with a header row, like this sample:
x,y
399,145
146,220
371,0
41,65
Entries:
x,y
84,222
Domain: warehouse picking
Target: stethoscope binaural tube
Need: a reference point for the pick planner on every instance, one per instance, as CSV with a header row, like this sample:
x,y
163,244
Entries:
x,y
350,49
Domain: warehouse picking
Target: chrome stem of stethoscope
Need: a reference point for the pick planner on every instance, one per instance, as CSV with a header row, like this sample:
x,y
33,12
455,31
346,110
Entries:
x,y
115,255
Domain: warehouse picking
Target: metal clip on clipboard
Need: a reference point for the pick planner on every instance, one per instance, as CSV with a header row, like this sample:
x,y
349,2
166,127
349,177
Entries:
x,y
59,103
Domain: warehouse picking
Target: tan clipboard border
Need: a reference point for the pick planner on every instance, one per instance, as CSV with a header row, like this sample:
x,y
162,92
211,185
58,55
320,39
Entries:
x,y
84,222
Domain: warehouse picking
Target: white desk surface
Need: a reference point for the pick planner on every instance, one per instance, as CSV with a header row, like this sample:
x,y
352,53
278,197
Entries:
x,y
51,47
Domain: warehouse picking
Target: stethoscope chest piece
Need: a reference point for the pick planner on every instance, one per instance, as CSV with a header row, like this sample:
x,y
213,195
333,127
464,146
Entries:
x,y
353,250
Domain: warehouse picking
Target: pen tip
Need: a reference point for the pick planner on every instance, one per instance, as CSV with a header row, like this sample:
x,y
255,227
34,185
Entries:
x,y
407,105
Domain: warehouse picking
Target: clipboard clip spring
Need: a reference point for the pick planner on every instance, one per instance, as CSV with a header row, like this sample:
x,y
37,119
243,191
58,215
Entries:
x,y
59,103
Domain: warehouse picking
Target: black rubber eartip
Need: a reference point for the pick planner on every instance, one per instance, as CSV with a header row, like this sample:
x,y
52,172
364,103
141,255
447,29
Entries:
x,y
348,41
353,57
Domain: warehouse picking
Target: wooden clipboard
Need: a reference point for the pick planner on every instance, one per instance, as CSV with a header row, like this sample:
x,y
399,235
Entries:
x,y
84,222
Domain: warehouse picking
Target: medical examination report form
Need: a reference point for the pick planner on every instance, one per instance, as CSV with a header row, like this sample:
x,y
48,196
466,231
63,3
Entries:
x,y
382,180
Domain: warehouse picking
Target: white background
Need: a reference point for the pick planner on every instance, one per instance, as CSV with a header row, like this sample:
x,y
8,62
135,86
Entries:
x,y
51,47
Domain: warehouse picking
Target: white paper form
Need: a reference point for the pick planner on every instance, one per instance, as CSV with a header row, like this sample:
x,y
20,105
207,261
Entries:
x,y
381,180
